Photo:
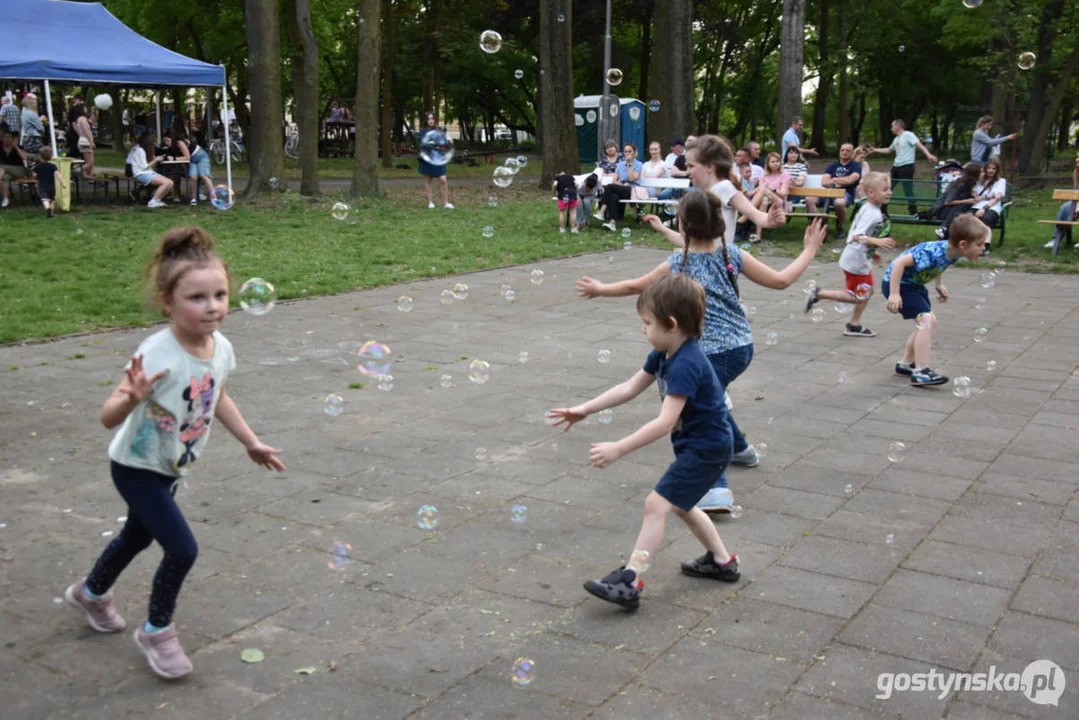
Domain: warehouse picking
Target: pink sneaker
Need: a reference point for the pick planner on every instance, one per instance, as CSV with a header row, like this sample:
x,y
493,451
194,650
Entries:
x,y
164,653
101,614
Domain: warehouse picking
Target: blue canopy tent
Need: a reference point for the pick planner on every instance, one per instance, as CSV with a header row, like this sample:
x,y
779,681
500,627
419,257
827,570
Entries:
x,y
89,46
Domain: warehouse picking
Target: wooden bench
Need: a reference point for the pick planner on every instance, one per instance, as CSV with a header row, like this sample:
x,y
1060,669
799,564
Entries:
x,y
659,184
1065,226
813,188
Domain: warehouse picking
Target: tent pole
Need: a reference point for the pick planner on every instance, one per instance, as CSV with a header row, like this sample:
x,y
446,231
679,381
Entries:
x,y
52,130
228,140
157,102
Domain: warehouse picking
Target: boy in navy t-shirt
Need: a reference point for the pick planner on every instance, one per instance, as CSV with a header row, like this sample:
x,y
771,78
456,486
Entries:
x,y
693,413
47,177
904,285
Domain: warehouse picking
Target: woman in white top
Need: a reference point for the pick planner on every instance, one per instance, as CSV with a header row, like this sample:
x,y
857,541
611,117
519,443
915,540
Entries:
x,y
795,166
709,161
142,169
990,192
655,168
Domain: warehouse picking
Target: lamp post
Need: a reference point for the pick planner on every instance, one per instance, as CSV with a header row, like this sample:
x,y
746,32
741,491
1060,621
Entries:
x,y
608,120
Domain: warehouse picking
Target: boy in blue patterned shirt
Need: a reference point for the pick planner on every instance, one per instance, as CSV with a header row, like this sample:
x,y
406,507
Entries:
x,y
693,413
904,285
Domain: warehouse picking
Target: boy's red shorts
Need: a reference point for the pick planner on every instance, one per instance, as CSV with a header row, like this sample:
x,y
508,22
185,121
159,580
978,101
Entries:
x,y
563,205
853,281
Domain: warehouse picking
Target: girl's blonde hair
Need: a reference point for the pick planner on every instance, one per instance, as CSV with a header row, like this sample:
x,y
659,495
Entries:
x,y
768,163
180,251
715,152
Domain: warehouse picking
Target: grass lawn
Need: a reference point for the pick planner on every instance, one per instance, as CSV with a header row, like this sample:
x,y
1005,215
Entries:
x,y
83,271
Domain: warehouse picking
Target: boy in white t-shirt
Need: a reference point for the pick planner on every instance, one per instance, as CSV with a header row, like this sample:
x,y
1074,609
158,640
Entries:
x,y
868,232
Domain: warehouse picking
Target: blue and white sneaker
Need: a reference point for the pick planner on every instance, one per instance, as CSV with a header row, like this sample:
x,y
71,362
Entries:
x,y
902,368
926,377
746,458
717,500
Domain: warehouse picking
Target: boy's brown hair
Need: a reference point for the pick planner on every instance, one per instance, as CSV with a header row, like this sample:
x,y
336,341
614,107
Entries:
x,y
675,297
45,152
966,228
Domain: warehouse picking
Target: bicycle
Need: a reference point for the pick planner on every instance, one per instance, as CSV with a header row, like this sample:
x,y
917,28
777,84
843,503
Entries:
x,y
217,149
292,142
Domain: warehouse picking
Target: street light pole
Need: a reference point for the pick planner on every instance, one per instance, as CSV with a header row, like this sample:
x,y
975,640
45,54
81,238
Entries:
x,y
606,127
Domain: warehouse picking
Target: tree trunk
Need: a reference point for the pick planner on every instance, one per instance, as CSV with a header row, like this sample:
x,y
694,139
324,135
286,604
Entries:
x,y
1050,18
368,60
672,77
844,115
1036,152
386,126
266,152
824,80
305,85
558,132
431,58
646,50
792,45
1064,124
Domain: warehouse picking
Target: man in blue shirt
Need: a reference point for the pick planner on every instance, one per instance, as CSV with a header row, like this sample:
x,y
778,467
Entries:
x,y
903,146
791,138
844,174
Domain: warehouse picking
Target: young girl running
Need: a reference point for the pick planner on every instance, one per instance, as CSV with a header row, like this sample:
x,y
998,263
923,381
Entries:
x,y
727,338
173,389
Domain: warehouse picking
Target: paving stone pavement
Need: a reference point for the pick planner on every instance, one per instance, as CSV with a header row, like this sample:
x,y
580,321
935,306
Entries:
x,y
962,556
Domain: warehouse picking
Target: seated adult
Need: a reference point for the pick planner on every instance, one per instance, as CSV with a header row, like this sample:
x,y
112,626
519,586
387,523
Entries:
x,y
175,150
990,192
796,166
33,130
655,168
608,173
1069,211
142,169
958,198
12,164
675,162
844,174
629,173
741,157
772,187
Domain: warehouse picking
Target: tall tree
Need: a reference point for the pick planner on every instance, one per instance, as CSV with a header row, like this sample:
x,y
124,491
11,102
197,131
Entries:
x,y
267,151
824,78
368,61
305,90
672,76
386,124
844,113
558,131
1045,101
791,48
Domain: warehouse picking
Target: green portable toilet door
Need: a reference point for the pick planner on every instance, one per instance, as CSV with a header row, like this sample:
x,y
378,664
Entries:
x,y
587,121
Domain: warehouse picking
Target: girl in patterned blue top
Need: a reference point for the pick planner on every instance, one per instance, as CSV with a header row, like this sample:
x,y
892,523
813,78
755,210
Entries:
x,y
727,338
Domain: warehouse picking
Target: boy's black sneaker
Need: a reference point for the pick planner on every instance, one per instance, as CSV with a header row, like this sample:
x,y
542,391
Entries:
x,y
926,377
813,299
617,588
706,566
858,331
901,368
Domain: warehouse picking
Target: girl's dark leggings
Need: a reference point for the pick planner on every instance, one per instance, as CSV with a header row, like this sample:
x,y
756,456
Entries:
x,y
152,514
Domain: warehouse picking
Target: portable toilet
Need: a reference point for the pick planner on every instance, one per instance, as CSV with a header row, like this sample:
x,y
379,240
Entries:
x,y
586,109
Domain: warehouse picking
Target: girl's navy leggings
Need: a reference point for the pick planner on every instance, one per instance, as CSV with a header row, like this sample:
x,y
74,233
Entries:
x,y
152,514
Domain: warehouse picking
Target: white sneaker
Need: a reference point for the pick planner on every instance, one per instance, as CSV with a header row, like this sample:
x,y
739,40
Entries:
x,y
448,206
430,206
611,226
561,229
155,204
7,202
574,230
1048,245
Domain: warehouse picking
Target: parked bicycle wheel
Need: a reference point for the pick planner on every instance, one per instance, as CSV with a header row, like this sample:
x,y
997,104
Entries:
x,y
217,152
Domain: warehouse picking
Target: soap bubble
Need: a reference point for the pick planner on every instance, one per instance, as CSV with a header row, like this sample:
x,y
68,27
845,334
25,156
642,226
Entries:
x,y
335,405
990,365
810,286
479,371
522,357
436,148
446,381
427,517
924,321
506,287
896,451
222,198
889,538
605,416
536,277
561,18
626,232
374,358
771,338
503,176
654,106
989,279
460,291
519,513
979,303
979,335
524,672
488,231
492,201
340,555
614,77
842,377
844,308
522,161
490,41
273,183
761,449
257,297
902,48
961,387
518,74
481,453
604,356
627,245
971,4
550,418
404,303
640,561
446,297
848,489
340,211
736,512
863,291
385,382
1000,267
1027,60
817,314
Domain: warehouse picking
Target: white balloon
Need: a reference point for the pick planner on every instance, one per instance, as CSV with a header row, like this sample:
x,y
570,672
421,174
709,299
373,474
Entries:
x,y
103,102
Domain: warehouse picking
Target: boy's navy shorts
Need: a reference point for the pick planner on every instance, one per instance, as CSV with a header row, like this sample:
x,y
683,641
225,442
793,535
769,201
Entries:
x,y
692,475
915,299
